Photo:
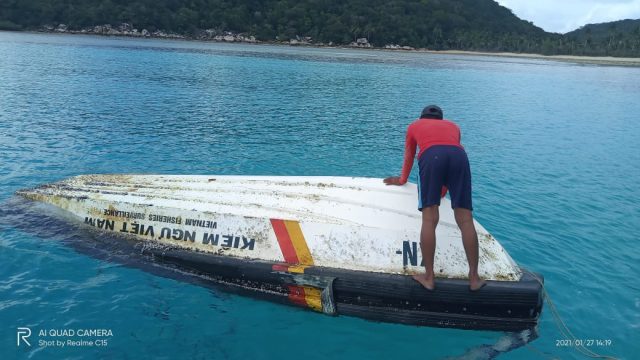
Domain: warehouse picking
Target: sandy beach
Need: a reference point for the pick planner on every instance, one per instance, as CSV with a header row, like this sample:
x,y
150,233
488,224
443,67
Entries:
x,y
599,60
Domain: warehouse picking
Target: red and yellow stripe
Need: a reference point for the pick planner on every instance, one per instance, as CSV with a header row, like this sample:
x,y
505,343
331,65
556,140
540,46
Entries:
x,y
306,296
298,257
292,243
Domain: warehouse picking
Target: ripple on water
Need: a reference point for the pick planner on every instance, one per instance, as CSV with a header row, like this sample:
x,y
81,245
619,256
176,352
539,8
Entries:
x,y
555,180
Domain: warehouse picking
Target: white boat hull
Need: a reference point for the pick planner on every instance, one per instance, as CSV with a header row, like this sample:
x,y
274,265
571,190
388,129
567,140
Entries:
x,y
331,244
349,223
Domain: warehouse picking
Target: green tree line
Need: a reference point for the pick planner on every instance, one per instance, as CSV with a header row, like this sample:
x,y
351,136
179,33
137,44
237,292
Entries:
x,y
617,38
481,25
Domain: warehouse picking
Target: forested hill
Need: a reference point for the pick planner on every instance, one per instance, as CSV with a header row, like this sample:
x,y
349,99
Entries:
x,y
481,25
619,37
438,24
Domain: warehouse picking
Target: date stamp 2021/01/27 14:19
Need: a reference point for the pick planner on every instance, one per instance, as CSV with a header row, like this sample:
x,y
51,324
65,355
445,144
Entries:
x,y
583,342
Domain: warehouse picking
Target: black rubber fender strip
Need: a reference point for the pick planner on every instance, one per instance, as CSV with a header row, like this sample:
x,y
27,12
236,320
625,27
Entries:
x,y
423,318
525,292
367,294
499,310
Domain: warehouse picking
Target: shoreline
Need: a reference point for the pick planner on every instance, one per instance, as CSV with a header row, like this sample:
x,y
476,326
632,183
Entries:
x,y
599,60
578,59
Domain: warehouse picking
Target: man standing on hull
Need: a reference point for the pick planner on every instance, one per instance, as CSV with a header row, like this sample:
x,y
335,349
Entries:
x,y
443,164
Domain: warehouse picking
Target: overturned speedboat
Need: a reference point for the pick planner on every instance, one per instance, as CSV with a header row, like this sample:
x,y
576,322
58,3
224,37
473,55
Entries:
x,y
336,245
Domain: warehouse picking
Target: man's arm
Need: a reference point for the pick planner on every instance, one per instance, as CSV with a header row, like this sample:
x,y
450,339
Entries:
x,y
409,154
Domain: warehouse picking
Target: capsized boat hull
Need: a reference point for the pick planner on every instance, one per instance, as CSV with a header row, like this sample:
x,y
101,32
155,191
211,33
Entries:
x,y
394,298
335,245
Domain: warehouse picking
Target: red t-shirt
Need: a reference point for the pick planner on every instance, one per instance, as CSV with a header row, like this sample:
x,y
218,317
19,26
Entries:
x,y
426,133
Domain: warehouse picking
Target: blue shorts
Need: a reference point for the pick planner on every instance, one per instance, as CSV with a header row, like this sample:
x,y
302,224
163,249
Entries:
x,y
444,165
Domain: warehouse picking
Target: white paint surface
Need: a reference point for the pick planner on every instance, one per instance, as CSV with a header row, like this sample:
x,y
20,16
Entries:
x,y
349,223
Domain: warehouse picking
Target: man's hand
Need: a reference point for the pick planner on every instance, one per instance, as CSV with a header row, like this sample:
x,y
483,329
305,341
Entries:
x,y
393,180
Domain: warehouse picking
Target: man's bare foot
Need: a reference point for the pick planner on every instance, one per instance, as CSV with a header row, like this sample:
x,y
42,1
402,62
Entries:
x,y
476,284
426,281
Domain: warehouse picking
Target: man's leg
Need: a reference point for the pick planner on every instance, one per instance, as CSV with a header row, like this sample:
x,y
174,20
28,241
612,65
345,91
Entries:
x,y
430,217
464,218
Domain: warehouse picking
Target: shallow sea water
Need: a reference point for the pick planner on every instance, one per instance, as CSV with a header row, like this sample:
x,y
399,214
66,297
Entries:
x,y
553,146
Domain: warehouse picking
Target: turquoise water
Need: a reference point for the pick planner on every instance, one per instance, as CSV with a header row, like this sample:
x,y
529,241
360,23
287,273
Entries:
x,y
553,147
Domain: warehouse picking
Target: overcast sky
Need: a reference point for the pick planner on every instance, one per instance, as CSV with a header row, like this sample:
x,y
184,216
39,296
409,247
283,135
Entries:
x,y
565,15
